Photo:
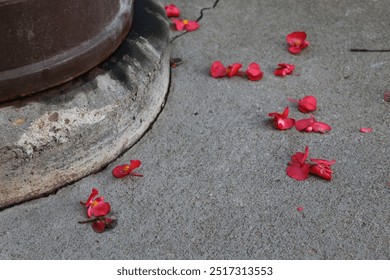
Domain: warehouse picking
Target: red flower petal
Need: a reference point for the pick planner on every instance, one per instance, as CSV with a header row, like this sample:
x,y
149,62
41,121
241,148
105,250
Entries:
x,y
254,72
172,11
190,25
179,25
99,226
217,70
307,104
322,168
302,125
300,209
99,208
284,69
121,171
94,193
233,69
126,169
281,121
298,172
298,168
297,42
366,129
321,127
386,96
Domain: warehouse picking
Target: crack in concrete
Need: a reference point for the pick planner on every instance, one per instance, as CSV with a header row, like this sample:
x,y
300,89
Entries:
x,y
197,20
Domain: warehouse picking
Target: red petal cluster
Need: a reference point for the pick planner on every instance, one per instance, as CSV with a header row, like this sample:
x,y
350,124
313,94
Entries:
x,y
282,121
284,69
218,70
306,104
127,169
96,207
172,11
297,42
311,125
189,25
299,169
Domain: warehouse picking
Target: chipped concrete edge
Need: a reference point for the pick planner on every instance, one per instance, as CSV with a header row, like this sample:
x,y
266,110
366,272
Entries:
x,y
64,134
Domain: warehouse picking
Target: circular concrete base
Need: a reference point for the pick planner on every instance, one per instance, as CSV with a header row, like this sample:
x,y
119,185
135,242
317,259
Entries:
x,y
66,133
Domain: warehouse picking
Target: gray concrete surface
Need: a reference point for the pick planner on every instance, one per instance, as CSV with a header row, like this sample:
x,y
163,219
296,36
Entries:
x,y
214,184
68,132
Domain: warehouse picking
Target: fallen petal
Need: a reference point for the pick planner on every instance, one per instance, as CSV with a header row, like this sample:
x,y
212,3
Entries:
x,y
217,70
366,129
321,127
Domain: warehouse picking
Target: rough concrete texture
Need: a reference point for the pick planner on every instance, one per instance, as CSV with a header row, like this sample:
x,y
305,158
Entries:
x,y
214,184
69,132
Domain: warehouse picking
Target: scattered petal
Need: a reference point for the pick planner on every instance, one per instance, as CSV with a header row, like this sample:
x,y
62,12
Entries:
x,y
101,224
284,69
126,169
297,168
172,11
232,70
311,125
217,70
96,207
281,121
366,129
297,42
189,25
174,62
254,72
300,209
386,96
322,168
306,104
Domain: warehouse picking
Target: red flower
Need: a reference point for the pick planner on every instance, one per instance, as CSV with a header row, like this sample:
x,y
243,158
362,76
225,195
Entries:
x,y
297,42
254,72
366,129
217,70
100,224
189,25
96,207
311,125
298,168
172,11
281,121
321,168
284,69
306,104
126,169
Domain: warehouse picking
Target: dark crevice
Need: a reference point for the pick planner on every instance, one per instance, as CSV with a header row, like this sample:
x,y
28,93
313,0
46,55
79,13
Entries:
x,y
197,20
368,50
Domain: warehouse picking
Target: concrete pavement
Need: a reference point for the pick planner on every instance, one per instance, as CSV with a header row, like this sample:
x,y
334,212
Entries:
x,y
214,184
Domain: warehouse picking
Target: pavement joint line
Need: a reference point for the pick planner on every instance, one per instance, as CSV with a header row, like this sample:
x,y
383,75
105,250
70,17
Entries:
x,y
197,20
